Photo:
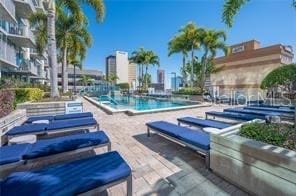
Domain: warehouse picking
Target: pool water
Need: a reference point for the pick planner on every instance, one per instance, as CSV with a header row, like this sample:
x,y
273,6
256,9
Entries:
x,y
144,103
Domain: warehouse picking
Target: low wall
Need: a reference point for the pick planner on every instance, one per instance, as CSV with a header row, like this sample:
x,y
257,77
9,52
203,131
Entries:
x,y
7,122
46,108
256,167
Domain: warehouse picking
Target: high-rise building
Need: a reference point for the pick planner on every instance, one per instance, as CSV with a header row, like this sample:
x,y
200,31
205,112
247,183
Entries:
x,y
18,57
176,83
132,75
160,76
120,66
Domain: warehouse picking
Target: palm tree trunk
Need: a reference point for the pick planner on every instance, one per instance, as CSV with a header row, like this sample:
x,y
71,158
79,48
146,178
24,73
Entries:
x,y
74,83
146,77
192,58
64,71
142,77
183,72
52,49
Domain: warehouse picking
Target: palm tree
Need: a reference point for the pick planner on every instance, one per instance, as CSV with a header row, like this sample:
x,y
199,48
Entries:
x,y
85,80
74,7
232,7
71,37
179,45
138,57
150,59
113,78
211,41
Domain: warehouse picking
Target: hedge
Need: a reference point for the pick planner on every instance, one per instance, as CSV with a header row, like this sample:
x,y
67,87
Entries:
x,y
28,94
189,91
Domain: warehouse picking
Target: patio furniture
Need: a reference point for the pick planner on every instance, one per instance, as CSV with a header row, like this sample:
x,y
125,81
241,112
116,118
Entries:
x,y
54,127
258,112
30,139
194,139
281,110
233,116
198,122
59,117
211,130
85,176
25,153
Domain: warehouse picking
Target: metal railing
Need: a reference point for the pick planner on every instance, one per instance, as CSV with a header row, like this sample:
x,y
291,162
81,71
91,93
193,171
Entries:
x,y
9,5
7,51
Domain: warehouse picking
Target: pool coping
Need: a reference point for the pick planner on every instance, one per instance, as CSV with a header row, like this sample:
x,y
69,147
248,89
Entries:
x,y
132,112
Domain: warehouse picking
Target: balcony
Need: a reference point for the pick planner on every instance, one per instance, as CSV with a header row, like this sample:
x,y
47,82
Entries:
x,y
7,55
35,55
21,36
27,67
39,5
7,10
24,8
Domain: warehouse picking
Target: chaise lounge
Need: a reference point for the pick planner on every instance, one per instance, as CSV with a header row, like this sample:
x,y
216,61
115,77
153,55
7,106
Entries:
x,y
258,112
194,139
85,176
281,110
234,116
59,117
14,155
54,127
198,122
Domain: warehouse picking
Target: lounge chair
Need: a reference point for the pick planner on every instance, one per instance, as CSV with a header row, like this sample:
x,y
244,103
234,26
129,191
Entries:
x,y
85,176
54,127
14,155
198,122
234,116
258,112
59,117
194,139
268,109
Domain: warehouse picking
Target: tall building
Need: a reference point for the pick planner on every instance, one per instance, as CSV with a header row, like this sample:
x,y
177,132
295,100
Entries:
x,y
160,76
242,71
120,66
132,75
18,57
95,75
176,83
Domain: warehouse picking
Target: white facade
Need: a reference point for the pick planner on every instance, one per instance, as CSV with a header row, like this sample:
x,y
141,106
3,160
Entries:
x,y
122,66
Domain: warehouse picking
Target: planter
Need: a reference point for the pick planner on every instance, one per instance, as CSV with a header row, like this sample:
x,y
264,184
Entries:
x,y
257,167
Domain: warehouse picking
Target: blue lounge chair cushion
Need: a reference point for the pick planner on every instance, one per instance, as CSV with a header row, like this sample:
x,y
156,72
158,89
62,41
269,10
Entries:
x,y
69,178
266,109
63,124
252,112
194,137
52,146
74,115
12,154
27,129
35,118
233,115
204,122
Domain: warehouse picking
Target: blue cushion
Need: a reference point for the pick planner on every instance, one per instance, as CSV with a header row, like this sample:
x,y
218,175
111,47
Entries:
x,y
194,137
204,123
253,112
11,154
27,129
233,115
48,147
62,124
69,178
75,115
35,118
280,110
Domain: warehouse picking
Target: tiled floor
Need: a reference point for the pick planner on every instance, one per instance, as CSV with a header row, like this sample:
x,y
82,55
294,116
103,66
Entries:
x,y
160,167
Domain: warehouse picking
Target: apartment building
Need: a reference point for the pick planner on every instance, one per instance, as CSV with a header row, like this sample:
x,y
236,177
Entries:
x,y
242,71
76,75
120,66
160,76
18,57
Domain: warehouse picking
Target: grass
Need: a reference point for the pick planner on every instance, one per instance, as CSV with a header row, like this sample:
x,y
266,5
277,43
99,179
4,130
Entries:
x,y
283,135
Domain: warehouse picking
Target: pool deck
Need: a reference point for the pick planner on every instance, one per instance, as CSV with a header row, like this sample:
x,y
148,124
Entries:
x,y
160,167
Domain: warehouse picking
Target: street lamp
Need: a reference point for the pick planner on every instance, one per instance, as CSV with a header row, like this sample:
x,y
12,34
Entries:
x,y
175,76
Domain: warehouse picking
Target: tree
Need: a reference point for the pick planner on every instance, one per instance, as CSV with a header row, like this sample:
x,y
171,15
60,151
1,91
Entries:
x,y
232,7
150,59
112,78
85,80
73,7
211,41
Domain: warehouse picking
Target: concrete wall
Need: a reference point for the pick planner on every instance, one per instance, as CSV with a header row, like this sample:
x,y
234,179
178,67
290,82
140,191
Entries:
x,y
46,108
256,167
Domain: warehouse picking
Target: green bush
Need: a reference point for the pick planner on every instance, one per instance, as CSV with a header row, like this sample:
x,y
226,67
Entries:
x,y
28,94
123,86
283,135
189,91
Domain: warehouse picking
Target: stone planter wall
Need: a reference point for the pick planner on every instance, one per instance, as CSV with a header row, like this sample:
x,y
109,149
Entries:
x,y
256,167
46,108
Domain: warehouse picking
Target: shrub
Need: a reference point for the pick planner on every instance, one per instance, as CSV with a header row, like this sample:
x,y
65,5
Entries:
x,y
6,101
189,91
123,86
28,94
283,135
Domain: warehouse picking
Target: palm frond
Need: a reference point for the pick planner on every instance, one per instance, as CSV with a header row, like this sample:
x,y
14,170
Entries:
x,y
231,8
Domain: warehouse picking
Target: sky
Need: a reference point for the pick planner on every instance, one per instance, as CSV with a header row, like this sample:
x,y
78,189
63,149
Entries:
x,y
131,24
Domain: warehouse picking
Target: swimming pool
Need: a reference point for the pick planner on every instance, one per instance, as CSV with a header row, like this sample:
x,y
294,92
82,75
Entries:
x,y
137,105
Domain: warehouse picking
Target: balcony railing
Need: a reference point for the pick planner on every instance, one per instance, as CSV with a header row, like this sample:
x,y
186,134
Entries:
x,y
26,65
7,52
21,30
9,5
